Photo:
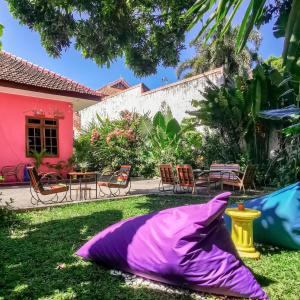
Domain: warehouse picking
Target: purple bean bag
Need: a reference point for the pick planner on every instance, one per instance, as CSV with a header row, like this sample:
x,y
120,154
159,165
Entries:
x,y
187,246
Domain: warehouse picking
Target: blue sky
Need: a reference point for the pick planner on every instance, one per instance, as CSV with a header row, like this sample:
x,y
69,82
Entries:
x,y
19,40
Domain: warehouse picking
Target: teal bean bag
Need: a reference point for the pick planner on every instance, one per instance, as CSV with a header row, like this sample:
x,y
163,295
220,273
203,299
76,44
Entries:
x,y
279,223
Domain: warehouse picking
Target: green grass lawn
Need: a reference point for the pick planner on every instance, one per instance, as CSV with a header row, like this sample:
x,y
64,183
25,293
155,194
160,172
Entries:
x,y
31,252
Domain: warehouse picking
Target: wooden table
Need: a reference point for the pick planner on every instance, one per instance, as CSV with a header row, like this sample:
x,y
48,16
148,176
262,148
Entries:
x,y
84,190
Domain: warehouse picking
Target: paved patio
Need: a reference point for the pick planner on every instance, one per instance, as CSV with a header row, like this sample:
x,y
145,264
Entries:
x,y
22,198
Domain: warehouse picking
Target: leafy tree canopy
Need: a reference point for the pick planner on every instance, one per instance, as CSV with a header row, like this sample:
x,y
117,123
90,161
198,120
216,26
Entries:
x,y
146,32
275,62
221,52
258,12
1,32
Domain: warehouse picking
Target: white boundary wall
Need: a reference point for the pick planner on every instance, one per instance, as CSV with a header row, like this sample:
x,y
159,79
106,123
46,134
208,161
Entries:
x,y
177,96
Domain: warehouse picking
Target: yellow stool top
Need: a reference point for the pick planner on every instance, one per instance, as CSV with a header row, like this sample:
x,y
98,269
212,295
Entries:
x,y
247,213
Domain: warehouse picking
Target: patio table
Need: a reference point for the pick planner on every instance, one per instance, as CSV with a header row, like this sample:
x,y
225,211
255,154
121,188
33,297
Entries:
x,y
83,178
198,173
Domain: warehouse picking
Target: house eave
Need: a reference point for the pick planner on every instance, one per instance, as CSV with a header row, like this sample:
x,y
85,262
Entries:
x,y
79,101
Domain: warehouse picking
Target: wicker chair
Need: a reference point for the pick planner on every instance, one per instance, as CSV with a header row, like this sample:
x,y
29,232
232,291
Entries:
x,y
120,179
45,185
242,180
187,181
167,177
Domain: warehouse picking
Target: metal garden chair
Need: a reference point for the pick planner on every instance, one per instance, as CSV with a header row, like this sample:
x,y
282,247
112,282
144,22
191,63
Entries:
x,y
46,185
119,180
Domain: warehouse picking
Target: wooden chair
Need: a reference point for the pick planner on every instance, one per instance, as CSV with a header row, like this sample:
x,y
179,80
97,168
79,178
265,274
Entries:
x,y
46,185
242,180
120,179
167,177
186,179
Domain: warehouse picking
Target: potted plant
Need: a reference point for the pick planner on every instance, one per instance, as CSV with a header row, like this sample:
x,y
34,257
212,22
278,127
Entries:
x,y
83,166
38,157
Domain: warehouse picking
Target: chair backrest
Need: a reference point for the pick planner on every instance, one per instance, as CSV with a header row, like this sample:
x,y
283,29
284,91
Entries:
x,y
234,168
185,175
34,179
249,175
216,170
167,174
123,174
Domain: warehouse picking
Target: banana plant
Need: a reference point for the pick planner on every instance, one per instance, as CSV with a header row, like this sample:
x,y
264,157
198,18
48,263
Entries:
x,y
163,133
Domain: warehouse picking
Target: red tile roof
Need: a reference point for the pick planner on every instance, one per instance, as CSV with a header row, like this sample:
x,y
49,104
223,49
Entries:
x,y
114,88
17,70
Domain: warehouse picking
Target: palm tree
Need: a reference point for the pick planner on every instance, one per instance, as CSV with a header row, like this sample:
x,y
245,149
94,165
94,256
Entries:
x,y
221,52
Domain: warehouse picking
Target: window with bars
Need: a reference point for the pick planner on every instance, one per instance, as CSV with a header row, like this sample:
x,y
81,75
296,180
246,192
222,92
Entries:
x,y
42,134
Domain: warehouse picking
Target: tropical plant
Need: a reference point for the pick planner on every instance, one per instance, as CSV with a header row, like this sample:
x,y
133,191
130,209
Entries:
x,y
221,52
140,141
164,132
38,157
226,110
275,62
231,110
81,149
284,167
168,141
287,24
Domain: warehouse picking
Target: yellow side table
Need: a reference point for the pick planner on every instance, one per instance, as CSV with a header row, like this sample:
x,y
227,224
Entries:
x,y
242,230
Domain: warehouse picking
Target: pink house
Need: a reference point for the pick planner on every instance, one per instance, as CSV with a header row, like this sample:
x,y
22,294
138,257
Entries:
x,y
36,113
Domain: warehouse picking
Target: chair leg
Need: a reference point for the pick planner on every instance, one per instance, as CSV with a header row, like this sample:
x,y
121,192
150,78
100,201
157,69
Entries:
x,y
244,189
194,190
161,187
129,188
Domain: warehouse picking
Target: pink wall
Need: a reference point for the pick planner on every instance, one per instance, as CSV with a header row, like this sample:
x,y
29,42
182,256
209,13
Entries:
x,y
13,110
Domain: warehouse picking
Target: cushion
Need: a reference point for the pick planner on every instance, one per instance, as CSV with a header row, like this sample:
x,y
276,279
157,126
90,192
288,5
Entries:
x,y
279,223
187,246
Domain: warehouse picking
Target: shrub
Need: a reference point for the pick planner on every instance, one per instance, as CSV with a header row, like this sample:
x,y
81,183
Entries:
x,y
138,140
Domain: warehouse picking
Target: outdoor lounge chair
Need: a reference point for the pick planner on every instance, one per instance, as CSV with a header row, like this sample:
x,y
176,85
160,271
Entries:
x,y
167,177
46,185
118,180
187,180
242,180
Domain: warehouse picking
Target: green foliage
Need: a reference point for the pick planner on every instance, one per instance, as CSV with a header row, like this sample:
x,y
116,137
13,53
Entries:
x,y
38,157
7,215
145,33
137,140
227,111
82,149
170,142
276,62
221,52
284,168
1,33
292,130
215,149
213,13
231,112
